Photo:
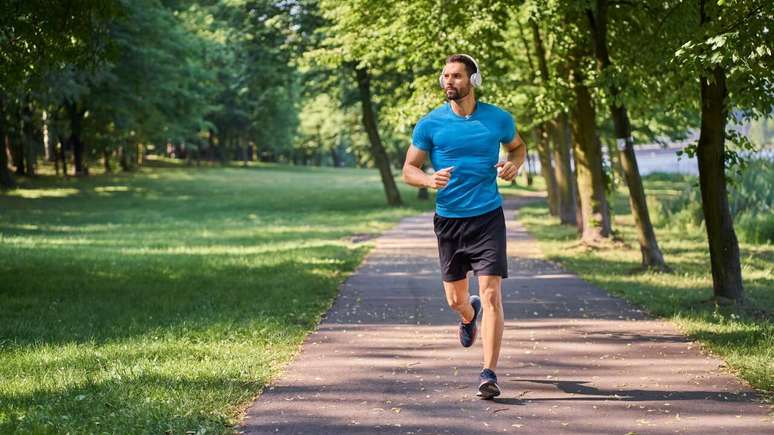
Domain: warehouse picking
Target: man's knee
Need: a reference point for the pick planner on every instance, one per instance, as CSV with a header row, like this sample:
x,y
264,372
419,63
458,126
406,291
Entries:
x,y
456,303
491,298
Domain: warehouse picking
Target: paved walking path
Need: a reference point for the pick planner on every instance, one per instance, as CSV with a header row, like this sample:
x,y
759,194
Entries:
x,y
574,360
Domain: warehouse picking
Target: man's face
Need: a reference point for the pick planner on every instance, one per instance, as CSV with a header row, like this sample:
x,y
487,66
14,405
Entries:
x,y
456,83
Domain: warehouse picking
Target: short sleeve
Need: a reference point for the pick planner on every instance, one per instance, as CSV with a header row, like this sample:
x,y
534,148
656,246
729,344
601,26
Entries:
x,y
421,137
509,128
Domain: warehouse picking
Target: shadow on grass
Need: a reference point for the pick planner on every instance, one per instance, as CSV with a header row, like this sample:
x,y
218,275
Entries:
x,y
97,406
101,298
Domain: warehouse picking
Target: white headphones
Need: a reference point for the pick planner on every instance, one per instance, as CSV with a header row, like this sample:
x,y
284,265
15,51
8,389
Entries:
x,y
475,78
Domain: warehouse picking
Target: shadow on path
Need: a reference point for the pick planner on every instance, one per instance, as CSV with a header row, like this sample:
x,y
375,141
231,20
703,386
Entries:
x,y
574,360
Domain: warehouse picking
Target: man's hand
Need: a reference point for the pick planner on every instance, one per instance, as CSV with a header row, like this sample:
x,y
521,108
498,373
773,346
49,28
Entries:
x,y
440,178
506,170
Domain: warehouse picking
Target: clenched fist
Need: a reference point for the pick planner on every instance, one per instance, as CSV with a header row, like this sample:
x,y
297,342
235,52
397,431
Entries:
x,y
506,170
440,178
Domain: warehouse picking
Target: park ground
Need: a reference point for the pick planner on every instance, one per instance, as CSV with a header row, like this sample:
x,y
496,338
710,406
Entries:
x,y
165,300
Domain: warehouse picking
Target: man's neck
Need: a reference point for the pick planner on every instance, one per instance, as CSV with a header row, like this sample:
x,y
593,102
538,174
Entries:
x,y
464,106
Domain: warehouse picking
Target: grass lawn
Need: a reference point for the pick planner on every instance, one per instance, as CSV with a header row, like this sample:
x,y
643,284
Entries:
x,y
165,300
742,336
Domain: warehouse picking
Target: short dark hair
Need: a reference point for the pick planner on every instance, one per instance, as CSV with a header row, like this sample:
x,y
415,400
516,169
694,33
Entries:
x,y
470,66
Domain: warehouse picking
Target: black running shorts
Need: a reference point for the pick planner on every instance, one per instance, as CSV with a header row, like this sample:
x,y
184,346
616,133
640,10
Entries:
x,y
475,243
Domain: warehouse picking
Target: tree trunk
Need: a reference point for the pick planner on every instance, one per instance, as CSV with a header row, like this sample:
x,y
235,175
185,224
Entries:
x,y
578,208
336,157
546,168
710,153
723,245
48,145
77,146
588,164
651,254
123,158
377,148
6,179
211,144
16,141
62,155
529,171
106,161
565,184
28,138
563,190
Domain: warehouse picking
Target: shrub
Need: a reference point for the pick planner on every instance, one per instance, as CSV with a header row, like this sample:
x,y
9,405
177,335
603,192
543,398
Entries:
x,y
750,199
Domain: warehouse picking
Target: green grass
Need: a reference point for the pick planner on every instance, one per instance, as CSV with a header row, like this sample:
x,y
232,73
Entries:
x,y
165,300
742,335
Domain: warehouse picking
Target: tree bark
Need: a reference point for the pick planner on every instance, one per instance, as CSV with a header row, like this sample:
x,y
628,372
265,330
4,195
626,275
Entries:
x,y
16,141
565,185
546,168
75,142
723,245
62,155
28,138
123,158
578,208
377,148
211,144
335,157
106,161
562,174
588,163
49,136
651,253
6,179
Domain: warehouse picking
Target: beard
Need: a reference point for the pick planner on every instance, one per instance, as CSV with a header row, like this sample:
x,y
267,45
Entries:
x,y
456,94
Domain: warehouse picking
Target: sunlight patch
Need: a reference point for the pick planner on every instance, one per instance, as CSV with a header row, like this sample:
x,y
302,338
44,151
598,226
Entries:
x,y
107,189
44,193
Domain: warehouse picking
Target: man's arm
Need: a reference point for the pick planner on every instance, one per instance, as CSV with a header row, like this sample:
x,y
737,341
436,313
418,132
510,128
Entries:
x,y
413,174
517,153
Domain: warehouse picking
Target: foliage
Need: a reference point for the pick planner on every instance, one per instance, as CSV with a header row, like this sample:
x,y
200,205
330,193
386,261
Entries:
x,y
39,35
751,201
413,40
735,34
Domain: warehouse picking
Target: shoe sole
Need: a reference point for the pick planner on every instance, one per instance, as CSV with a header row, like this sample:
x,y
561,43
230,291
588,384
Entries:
x,y
473,341
488,390
475,332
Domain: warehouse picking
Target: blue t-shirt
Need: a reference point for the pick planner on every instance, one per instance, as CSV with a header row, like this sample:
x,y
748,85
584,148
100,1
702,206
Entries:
x,y
472,146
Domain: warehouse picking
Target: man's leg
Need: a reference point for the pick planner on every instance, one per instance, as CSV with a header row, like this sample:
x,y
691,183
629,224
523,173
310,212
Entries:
x,y
458,297
492,323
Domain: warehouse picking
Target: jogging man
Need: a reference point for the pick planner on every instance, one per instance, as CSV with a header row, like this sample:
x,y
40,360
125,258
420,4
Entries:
x,y
463,139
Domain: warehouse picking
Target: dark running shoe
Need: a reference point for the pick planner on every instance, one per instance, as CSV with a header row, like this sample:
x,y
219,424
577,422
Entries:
x,y
468,330
487,387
